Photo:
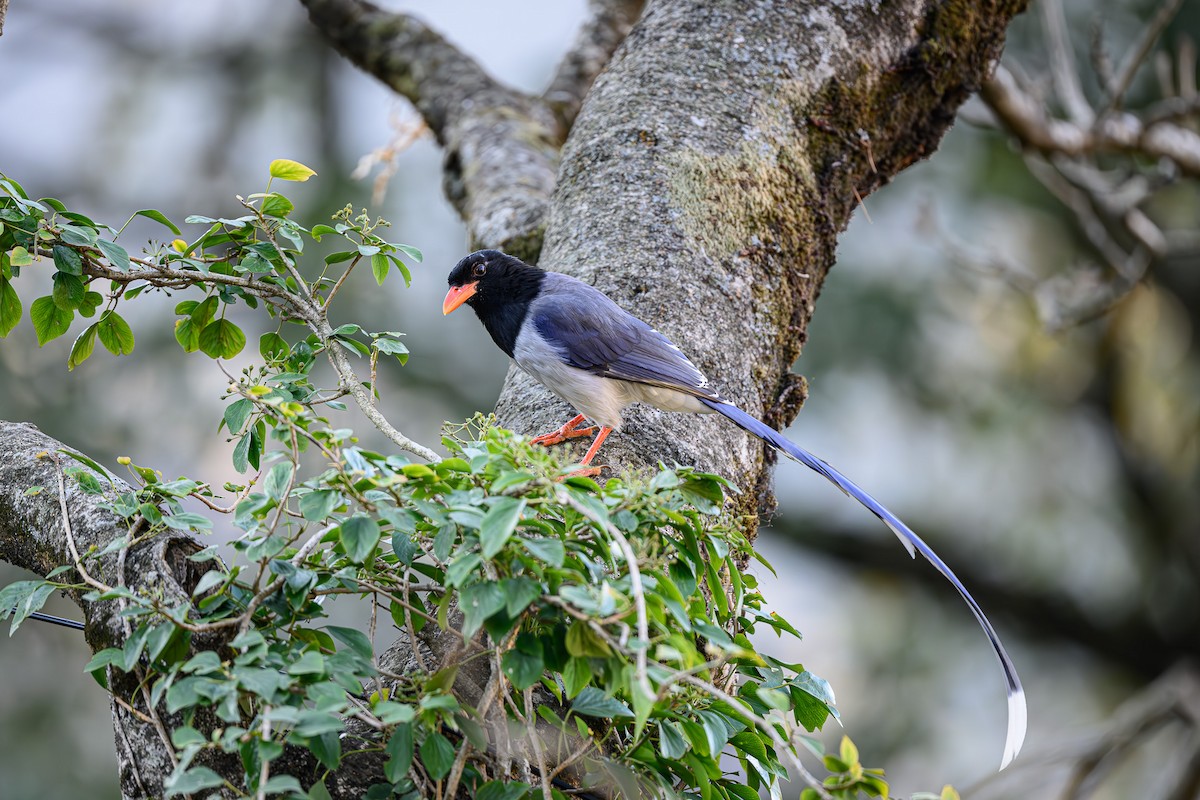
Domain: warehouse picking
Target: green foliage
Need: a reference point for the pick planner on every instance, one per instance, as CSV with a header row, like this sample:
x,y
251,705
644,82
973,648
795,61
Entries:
x,y
251,259
605,622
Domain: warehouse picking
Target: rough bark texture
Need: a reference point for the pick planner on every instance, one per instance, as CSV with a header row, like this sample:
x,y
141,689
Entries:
x,y
33,536
710,171
703,184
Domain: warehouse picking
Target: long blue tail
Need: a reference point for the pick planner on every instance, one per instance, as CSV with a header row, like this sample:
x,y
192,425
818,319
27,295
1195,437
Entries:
x,y
1016,695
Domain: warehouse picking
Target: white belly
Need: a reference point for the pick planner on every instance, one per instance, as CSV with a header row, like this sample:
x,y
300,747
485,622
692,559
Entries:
x,y
600,399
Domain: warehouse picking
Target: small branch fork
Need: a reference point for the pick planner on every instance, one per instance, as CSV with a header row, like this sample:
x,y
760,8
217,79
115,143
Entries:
x,y
502,145
1065,155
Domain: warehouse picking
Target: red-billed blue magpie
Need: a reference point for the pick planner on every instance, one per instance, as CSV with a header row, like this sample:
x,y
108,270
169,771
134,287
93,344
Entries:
x,y
599,358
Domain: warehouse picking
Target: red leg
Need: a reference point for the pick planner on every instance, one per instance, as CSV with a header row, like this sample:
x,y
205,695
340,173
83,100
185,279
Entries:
x,y
568,431
590,471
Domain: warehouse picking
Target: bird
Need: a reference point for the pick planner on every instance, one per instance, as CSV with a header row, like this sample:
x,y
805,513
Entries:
x,y
578,343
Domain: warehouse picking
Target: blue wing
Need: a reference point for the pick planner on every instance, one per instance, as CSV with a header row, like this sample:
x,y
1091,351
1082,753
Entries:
x,y
595,334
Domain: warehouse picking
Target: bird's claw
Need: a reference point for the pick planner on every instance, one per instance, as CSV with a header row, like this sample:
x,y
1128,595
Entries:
x,y
561,435
567,431
586,472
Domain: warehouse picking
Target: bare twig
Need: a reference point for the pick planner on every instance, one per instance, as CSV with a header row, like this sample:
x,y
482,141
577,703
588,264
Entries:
x,y
1137,55
1062,64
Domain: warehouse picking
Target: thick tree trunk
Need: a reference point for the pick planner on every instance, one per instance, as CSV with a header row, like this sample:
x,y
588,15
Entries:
x,y
709,173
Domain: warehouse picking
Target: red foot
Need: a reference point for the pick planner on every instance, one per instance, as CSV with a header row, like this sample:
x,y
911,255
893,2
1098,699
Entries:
x,y
586,472
568,431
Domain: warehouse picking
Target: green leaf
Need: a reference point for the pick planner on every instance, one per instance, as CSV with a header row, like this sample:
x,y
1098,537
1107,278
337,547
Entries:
x,y
749,742
592,702
327,748
316,506
359,535
400,753
80,237
158,217
10,307
582,642
188,335
273,347
400,265
321,230
186,521
576,675
353,638
237,414
82,349
221,339
314,723
392,347
519,593
68,291
19,257
276,205
67,260
551,551
91,300
480,601
340,256
115,333
411,252
670,741
288,170
282,784
311,663
319,792
49,321
465,566
502,790
203,312
524,664
498,525
116,255
379,267
391,713
192,781
22,599
277,480
437,754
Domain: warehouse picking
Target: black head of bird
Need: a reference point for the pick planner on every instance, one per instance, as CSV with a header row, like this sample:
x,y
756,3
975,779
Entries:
x,y
578,343
499,288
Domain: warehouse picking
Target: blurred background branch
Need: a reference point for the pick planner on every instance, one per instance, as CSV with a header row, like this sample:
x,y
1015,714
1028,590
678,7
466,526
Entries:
x,y
1155,144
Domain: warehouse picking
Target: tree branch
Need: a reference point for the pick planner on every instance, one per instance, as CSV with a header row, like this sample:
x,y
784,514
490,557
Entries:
x,y
1025,117
35,535
607,26
501,146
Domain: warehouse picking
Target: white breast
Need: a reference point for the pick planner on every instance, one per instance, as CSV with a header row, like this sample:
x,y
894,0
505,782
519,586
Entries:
x,y
600,399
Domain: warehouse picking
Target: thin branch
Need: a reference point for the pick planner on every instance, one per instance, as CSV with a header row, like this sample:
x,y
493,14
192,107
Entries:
x,y
501,145
1133,61
1062,61
607,25
1025,117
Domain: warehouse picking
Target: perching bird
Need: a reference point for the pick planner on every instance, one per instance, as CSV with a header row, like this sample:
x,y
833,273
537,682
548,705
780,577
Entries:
x,y
599,358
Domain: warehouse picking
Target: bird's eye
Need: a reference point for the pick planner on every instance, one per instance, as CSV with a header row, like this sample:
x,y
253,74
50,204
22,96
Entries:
x,y
479,269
